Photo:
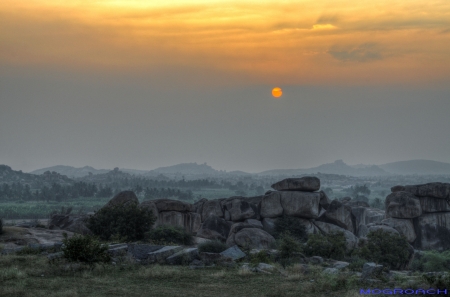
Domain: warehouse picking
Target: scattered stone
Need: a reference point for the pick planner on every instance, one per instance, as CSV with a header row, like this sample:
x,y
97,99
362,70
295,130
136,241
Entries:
x,y
340,265
183,256
234,253
160,255
306,183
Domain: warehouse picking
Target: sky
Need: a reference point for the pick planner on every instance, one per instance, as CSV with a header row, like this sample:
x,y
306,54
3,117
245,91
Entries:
x,y
145,84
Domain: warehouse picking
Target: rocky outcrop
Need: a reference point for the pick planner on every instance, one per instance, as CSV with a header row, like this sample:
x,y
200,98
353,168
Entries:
x,y
340,215
271,205
211,207
402,205
306,184
404,227
190,221
214,228
436,190
327,228
172,205
240,210
433,231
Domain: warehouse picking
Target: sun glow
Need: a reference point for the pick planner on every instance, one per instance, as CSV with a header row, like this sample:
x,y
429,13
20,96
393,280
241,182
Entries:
x,y
277,92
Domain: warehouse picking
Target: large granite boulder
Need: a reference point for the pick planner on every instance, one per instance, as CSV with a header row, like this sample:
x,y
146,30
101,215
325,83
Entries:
x,y
340,215
306,184
151,206
241,210
327,228
236,227
436,190
123,198
432,204
404,226
271,205
211,207
189,221
254,238
433,231
374,215
214,228
402,205
172,205
301,204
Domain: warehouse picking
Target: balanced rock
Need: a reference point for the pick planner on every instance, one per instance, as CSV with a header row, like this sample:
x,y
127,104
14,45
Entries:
x,y
306,183
402,205
301,204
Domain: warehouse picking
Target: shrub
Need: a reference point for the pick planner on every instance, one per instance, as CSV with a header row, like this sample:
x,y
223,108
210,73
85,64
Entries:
x,y
431,261
260,257
292,225
130,222
215,246
84,249
289,248
390,250
331,246
171,234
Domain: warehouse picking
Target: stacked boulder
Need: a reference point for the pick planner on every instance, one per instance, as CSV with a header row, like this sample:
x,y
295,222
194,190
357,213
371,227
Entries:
x,y
421,213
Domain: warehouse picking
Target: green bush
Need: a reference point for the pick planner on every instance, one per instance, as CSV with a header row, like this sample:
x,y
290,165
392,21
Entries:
x,y
431,261
260,257
214,246
289,249
390,250
292,225
84,249
331,246
171,234
130,222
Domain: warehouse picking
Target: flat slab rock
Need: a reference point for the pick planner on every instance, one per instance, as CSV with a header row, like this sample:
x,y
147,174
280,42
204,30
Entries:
x,y
306,183
162,254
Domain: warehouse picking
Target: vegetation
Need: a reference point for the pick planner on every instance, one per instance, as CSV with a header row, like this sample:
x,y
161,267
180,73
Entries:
x,y
331,246
289,248
430,261
292,225
214,246
170,235
85,249
390,250
130,222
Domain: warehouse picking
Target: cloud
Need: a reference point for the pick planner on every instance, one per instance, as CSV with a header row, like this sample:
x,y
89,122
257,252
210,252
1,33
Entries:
x,y
362,53
327,19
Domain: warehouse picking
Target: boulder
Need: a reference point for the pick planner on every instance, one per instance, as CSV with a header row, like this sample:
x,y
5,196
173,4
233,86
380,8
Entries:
x,y
436,190
403,226
327,228
72,223
234,253
236,227
310,227
316,260
189,221
160,256
254,238
214,228
359,215
141,251
433,231
374,215
431,204
151,206
271,205
254,223
183,257
123,198
211,207
240,210
306,184
402,205
198,206
340,215
324,200
269,225
397,189
371,270
172,205
301,204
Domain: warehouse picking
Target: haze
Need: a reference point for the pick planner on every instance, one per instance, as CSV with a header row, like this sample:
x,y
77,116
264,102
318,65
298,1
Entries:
x,y
137,85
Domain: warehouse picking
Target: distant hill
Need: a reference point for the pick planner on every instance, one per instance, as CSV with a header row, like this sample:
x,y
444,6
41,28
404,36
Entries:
x,y
184,169
8,176
337,167
419,167
71,171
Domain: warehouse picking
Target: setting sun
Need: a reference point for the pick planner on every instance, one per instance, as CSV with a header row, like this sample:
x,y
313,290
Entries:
x,y
277,92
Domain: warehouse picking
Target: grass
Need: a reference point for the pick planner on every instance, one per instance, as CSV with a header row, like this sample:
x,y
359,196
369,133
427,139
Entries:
x,y
32,275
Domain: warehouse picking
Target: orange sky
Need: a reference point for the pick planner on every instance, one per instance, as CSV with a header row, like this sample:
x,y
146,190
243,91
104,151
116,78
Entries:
x,y
280,42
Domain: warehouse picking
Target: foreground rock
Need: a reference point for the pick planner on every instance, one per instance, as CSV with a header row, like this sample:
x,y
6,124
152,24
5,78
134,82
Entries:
x,y
306,184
